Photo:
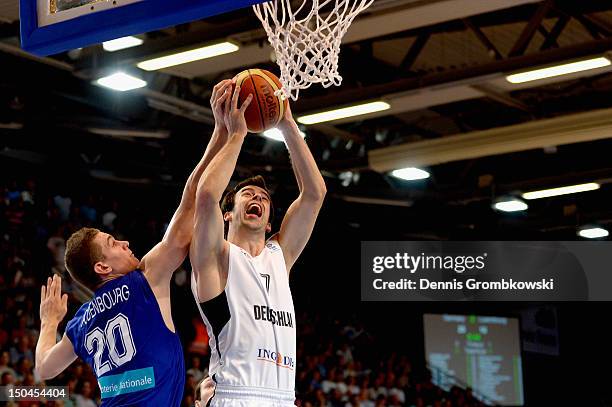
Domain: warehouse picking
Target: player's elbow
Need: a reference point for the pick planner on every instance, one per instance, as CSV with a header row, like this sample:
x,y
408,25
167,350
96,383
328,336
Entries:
x,y
181,240
316,193
322,189
44,372
206,200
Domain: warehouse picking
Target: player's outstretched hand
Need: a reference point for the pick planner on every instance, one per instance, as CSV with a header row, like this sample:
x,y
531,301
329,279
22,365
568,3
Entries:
x,y
234,115
53,305
221,92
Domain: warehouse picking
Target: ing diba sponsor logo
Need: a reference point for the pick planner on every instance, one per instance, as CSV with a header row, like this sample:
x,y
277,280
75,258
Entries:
x,y
271,356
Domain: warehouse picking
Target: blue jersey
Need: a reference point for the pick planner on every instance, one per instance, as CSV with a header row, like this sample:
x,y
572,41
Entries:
x,y
121,334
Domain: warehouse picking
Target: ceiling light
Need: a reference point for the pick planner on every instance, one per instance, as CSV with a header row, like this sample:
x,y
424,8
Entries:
x,y
121,43
593,232
511,205
410,174
11,126
208,51
572,189
558,70
159,134
277,135
121,81
344,112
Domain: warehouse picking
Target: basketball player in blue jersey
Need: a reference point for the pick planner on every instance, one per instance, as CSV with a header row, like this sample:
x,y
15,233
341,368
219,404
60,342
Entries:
x,y
126,332
241,282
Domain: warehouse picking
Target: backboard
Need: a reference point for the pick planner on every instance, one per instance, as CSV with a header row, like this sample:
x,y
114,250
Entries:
x,y
52,26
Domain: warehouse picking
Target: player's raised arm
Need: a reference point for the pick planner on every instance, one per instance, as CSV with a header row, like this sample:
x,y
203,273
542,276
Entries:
x,y
300,218
208,245
51,357
167,256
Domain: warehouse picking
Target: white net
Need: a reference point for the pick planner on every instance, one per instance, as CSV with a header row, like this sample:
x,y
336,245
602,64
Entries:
x,y
307,39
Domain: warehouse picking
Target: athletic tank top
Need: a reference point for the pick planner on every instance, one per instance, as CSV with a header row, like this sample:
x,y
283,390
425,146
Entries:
x,y
251,324
121,334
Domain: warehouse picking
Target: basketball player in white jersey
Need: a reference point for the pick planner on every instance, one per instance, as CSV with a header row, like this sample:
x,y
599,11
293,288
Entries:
x,y
241,282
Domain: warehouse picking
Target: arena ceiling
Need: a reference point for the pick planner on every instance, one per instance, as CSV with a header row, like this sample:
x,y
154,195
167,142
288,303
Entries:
x,y
441,64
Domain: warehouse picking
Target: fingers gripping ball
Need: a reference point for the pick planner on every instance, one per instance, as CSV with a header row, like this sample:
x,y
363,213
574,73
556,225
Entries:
x,y
266,109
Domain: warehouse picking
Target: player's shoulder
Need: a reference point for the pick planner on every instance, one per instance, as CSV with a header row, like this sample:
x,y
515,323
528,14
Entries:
x,y
273,244
109,293
137,275
82,310
78,321
137,282
133,277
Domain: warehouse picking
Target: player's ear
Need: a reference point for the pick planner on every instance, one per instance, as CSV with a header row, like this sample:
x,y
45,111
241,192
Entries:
x,y
197,403
102,268
268,227
227,216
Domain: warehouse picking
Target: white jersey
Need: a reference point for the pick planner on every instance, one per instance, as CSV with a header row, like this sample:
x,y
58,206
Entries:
x,y
251,326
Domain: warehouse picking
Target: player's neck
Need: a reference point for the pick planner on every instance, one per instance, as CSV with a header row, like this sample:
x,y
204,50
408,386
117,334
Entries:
x,y
251,241
110,277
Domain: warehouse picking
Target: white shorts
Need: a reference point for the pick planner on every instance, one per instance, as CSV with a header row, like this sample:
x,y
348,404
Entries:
x,y
234,396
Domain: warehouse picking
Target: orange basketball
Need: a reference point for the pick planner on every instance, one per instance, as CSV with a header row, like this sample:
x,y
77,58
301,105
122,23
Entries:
x,y
266,109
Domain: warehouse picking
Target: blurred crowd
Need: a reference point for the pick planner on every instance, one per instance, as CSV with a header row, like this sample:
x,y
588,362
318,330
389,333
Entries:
x,y
338,363
35,222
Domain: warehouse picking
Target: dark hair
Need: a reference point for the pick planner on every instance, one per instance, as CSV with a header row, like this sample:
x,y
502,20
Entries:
x,y
227,204
81,256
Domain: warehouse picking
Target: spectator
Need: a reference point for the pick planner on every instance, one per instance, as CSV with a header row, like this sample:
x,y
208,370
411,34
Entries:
x,y
200,342
88,210
315,383
24,367
364,399
195,369
83,396
329,383
345,352
57,247
7,381
339,382
335,399
395,392
351,385
108,218
5,359
22,350
63,204
72,387
378,389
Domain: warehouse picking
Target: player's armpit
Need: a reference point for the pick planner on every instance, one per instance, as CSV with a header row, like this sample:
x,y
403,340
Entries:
x,y
210,277
297,227
161,262
209,251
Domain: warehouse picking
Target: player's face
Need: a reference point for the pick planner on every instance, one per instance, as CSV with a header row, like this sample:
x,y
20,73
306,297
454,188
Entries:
x,y
207,389
117,254
252,207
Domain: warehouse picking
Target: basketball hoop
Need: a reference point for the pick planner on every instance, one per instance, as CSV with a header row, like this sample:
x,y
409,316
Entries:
x,y
307,40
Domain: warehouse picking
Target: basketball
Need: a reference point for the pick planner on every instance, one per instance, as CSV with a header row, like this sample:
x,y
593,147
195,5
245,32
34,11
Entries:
x,y
266,109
